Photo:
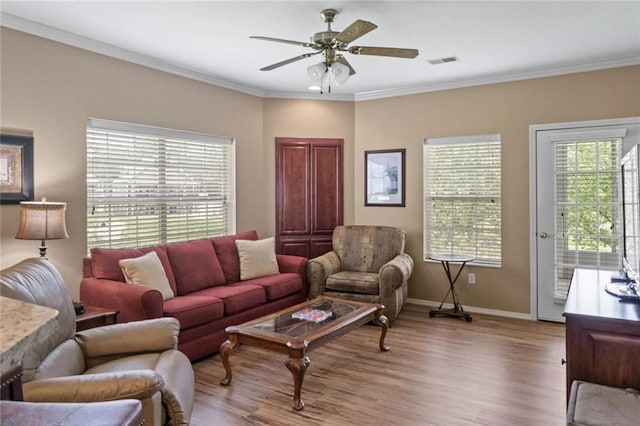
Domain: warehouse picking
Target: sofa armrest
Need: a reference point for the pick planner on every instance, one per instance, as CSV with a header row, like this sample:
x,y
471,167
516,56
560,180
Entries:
x,y
132,384
177,393
294,264
133,302
155,335
396,271
319,269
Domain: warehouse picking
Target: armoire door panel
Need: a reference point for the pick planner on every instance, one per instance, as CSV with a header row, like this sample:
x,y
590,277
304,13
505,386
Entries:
x,y
320,247
326,183
294,185
295,248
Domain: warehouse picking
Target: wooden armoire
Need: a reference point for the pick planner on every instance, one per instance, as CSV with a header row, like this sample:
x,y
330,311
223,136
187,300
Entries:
x,y
309,179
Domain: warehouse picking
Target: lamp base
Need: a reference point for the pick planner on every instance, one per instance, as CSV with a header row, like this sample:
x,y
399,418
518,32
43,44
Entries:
x,y
43,249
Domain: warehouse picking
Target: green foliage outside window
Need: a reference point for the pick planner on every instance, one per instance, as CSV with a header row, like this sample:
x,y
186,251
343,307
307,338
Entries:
x,y
587,188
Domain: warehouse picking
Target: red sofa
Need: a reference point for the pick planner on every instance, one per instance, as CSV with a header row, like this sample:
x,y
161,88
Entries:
x,y
205,278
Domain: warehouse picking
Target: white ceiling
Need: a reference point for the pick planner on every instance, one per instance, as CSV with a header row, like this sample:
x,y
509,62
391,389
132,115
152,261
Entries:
x,y
209,40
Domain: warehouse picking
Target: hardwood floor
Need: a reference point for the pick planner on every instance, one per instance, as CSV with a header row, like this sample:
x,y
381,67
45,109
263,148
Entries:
x,y
439,371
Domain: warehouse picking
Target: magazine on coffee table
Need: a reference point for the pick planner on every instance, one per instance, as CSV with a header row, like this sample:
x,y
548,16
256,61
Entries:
x,y
310,314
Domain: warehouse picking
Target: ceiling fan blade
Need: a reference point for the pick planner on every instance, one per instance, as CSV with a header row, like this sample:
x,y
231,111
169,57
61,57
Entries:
x,y
343,61
288,61
280,40
354,31
384,51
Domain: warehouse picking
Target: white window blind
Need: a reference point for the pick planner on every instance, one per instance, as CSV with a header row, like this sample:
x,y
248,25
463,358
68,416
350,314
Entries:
x,y
149,185
587,200
462,188
631,207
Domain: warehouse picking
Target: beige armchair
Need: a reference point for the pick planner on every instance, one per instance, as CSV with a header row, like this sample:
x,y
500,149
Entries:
x,y
367,264
136,360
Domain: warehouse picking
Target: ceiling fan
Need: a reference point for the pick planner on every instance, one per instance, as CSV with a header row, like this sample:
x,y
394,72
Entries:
x,y
331,43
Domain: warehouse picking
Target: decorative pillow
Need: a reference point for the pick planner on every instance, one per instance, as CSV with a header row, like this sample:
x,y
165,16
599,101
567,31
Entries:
x,y
194,265
105,262
257,258
147,270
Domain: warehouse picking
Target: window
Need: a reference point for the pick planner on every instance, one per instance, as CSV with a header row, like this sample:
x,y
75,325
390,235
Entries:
x,y
587,204
462,208
149,185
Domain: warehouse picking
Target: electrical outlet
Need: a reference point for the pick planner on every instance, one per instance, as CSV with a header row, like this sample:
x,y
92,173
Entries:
x,y
471,278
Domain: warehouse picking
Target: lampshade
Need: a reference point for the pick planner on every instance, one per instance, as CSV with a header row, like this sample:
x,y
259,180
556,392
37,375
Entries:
x,y
42,221
340,72
316,72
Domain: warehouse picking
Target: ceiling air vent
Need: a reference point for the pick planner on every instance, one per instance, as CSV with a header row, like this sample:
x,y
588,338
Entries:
x,y
445,60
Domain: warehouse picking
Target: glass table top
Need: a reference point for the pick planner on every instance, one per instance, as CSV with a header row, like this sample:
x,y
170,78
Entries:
x,y
308,318
452,257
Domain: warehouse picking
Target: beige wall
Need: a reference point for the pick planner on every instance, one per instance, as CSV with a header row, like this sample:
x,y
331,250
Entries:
x,y
51,89
508,109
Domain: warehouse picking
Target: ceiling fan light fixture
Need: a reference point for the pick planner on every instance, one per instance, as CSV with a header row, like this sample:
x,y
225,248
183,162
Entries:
x,y
331,44
340,72
325,81
316,72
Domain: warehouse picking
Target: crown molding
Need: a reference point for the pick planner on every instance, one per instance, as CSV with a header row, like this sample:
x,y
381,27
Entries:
x,y
311,95
45,31
500,78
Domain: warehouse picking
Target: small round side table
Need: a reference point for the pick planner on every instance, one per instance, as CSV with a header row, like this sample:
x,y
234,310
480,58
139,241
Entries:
x,y
457,311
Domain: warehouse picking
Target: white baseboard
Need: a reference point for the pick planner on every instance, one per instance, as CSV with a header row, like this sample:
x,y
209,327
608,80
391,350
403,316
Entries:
x,y
473,309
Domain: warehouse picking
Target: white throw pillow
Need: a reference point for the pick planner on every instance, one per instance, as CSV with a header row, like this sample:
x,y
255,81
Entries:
x,y
257,258
147,270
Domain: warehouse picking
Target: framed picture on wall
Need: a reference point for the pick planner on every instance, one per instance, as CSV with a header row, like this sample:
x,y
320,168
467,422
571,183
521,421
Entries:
x,y
16,169
384,178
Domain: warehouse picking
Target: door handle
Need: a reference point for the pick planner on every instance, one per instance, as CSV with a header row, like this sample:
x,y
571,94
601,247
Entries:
x,y
543,235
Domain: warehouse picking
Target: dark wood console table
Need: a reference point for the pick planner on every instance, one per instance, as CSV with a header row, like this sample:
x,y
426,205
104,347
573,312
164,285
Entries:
x,y
602,333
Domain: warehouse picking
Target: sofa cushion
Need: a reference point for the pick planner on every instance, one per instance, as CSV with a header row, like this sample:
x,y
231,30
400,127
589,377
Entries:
x,y
105,262
145,361
66,359
354,282
257,258
195,265
237,297
278,286
193,310
147,270
227,253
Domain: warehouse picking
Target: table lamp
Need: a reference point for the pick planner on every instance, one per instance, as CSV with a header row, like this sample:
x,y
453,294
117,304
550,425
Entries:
x,y
42,220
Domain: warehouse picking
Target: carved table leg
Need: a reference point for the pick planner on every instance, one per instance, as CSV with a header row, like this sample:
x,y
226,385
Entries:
x,y
383,321
297,366
230,344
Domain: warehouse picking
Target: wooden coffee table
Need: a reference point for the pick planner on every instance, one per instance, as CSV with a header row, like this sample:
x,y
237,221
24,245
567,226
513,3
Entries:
x,y
300,329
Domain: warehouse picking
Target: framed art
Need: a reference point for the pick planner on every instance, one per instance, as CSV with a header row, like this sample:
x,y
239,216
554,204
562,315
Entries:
x,y
384,178
16,169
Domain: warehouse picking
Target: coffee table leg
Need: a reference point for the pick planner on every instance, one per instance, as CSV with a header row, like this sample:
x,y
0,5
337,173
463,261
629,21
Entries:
x,y
297,366
230,344
383,321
